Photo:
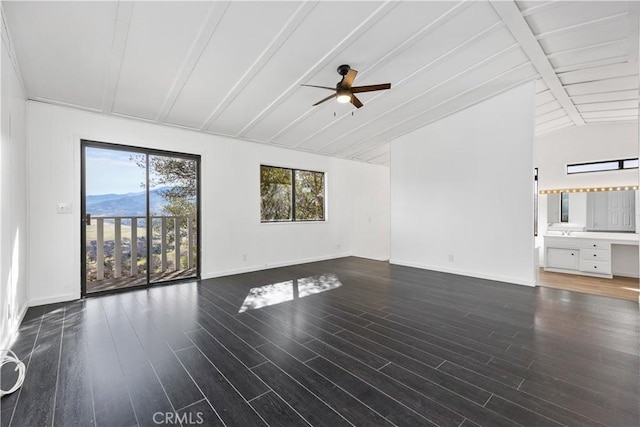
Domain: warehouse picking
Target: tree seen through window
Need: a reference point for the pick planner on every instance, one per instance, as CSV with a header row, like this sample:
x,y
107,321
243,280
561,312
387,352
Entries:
x,y
291,194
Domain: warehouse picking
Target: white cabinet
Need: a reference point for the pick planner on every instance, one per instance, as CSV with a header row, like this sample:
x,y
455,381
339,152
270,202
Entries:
x,y
590,257
563,258
595,267
594,254
596,244
595,257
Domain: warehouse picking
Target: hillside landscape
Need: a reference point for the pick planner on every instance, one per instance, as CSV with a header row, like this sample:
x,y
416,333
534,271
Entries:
x,y
129,204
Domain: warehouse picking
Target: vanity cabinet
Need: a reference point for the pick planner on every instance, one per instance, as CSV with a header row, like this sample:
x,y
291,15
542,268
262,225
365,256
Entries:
x,y
596,261
576,255
563,258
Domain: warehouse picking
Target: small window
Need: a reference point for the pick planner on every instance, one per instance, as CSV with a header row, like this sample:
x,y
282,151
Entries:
x,y
564,207
609,165
291,195
535,202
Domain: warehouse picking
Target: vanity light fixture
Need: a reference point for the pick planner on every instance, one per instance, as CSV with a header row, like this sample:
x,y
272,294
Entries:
x,y
588,190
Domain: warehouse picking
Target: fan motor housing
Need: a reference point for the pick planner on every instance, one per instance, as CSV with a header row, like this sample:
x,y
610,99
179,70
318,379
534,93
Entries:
x,y
343,69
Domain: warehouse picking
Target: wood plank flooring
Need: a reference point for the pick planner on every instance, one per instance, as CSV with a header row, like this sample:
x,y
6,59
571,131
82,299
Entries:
x,y
357,343
618,287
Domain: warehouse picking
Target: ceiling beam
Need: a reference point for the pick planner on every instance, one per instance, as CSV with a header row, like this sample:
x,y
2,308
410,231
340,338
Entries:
x,y
587,47
539,7
423,94
400,128
415,38
8,42
510,15
213,18
581,25
120,34
358,30
289,28
599,73
634,31
592,64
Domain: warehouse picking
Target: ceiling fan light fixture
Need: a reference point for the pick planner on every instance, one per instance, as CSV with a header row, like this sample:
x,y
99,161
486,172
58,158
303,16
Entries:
x,y
343,98
345,92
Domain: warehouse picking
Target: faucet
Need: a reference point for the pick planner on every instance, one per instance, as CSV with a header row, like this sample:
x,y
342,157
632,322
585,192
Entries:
x,y
566,232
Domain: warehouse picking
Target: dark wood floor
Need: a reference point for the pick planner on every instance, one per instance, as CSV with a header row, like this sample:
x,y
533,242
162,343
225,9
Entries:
x,y
391,345
128,282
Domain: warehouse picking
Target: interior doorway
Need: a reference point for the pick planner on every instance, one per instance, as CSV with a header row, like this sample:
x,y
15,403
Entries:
x,y
140,217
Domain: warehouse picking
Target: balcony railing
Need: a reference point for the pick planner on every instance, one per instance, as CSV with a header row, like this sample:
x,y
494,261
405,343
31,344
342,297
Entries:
x,y
117,246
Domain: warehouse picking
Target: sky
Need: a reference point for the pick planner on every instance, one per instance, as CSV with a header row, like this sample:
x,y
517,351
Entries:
x,y
112,171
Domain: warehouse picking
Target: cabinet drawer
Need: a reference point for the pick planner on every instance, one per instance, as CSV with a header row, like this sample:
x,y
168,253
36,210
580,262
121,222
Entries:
x,y
563,258
596,244
561,242
595,254
595,267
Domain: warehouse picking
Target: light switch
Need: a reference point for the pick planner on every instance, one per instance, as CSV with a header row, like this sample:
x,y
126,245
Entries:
x,y
64,208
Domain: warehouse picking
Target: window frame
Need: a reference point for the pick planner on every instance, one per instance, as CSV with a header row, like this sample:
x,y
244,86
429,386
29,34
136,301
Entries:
x,y
620,162
564,203
293,219
535,202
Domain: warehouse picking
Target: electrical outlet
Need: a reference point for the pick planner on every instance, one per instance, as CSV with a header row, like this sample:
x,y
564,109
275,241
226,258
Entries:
x,y
244,258
63,208
338,246
451,258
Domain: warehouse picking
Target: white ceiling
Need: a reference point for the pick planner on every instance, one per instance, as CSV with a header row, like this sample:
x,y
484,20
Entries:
x,y
235,68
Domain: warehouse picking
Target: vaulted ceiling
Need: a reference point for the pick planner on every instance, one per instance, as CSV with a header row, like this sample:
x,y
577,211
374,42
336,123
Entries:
x,y
235,68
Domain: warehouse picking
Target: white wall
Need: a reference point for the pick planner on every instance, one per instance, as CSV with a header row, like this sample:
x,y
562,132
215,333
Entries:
x,y
461,191
13,199
588,143
230,204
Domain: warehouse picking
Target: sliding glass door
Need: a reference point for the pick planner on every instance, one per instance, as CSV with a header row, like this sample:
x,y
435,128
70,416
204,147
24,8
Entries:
x,y
140,212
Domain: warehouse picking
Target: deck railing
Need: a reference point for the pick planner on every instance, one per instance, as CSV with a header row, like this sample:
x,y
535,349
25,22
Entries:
x,y
182,229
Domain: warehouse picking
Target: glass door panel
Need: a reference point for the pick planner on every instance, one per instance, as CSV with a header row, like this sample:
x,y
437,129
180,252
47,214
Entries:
x,y
128,195
173,208
115,219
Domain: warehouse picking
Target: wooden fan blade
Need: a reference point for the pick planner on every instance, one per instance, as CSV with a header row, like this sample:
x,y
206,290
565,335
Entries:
x,y
321,87
355,101
347,80
324,100
370,88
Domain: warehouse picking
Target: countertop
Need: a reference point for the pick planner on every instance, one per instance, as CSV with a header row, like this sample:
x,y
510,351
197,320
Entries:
x,y
618,238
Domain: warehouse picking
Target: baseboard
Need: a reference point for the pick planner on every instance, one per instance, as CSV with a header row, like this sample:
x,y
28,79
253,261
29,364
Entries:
x,y
274,265
53,299
633,275
383,259
6,343
494,277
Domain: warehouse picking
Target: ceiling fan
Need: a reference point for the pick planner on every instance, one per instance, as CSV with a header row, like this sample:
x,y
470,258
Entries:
x,y
345,92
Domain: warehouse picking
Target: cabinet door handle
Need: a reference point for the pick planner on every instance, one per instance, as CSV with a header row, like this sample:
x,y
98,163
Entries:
x,y
594,254
571,254
594,246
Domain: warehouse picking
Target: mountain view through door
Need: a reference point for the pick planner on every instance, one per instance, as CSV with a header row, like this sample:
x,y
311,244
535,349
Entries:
x,y
129,195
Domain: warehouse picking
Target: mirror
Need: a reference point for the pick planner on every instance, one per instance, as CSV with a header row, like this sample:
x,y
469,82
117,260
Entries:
x,y
553,208
612,211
